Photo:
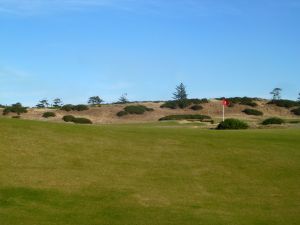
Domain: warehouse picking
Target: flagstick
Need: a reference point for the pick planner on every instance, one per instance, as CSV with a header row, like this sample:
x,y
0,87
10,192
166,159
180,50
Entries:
x,y
223,113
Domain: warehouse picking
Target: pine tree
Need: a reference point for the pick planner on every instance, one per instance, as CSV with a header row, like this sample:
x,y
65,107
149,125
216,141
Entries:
x,y
123,99
57,103
276,93
43,104
95,101
180,93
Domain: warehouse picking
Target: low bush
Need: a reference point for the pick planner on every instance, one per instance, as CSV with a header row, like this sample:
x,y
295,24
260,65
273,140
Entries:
x,y
296,111
80,107
183,103
137,109
82,120
284,103
273,120
197,107
15,108
294,121
49,114
16,117
70,107
68,118
122,113
170,105
198,101
67,108
232,124
186,117
253,112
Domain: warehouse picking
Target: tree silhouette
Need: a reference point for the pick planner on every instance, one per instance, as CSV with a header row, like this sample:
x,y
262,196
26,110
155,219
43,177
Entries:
x,y
276,93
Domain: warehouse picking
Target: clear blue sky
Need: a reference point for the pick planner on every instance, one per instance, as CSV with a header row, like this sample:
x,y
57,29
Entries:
x,y
75,49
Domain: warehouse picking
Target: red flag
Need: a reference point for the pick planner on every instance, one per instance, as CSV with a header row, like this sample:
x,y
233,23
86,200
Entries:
x,y
225,102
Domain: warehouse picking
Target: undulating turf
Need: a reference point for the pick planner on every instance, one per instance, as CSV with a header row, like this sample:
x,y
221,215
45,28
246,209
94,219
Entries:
x,y
68,174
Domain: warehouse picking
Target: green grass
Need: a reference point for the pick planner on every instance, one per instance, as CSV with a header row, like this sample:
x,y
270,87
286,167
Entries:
x,y
69,174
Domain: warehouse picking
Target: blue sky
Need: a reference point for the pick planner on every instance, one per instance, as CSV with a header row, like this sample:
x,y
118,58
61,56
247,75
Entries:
x,y
74,49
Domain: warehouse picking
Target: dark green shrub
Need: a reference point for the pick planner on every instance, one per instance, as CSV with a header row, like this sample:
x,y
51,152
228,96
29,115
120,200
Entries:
x,y
80,107
273,120
294,121
184,103
67,108
122,113
196,107
82,120
15,108
16,117
186,117
284,103
49,114
70,107
198,101
136,109
232,124
253,112
170,105
68,118
296,111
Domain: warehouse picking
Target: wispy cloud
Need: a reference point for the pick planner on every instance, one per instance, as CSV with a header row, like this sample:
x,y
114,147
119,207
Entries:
x,y
34,7
175,7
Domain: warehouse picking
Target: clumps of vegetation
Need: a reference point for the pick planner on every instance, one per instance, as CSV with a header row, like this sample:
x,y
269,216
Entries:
x,y
16,117
187,117
122,113
273,120
253,112
232,124
284,103
48,114
70,107
68,118
197,107
296,111
294,121
183,103
242,101
15,108
79,120
134,109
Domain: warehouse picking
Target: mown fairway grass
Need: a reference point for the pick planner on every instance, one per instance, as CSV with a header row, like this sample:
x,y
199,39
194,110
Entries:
x,y
146,174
